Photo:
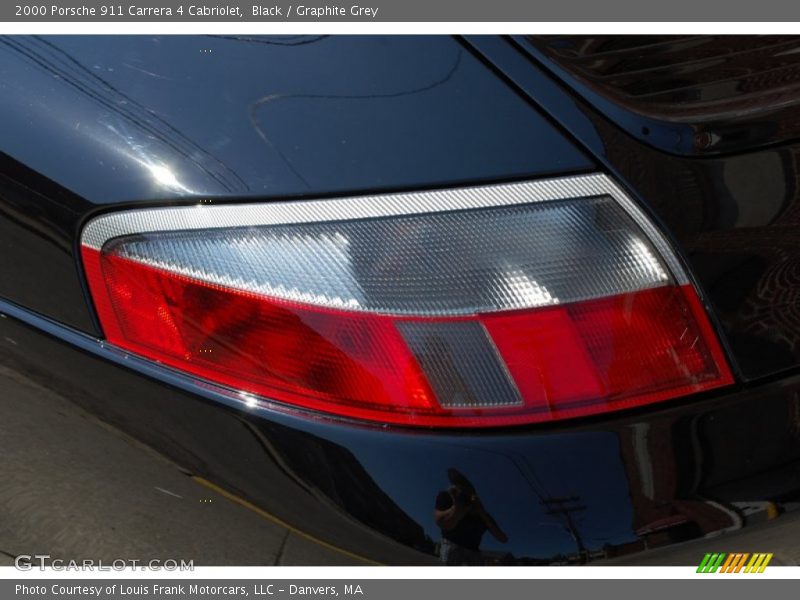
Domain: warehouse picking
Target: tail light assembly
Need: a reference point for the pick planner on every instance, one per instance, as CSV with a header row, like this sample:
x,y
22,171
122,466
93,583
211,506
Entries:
x,y
483,306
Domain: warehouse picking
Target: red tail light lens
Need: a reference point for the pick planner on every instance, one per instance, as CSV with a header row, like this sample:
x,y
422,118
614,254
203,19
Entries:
x,y
493,306
610,353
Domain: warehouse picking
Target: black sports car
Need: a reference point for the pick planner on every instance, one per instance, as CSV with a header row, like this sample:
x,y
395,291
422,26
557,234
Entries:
x,y
402,300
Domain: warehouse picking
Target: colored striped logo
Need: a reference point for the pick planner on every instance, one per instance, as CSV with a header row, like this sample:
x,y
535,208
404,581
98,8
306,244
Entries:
x,y
737,562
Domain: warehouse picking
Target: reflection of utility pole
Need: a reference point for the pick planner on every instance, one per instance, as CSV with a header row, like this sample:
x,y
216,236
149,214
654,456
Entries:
x,y
565,507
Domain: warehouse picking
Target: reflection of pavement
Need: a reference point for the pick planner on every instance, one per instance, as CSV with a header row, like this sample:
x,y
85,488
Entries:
x,y
75,488
780,536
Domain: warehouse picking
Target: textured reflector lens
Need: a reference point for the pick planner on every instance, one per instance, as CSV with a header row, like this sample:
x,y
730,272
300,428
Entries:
x,y
449,263
461,363
445,316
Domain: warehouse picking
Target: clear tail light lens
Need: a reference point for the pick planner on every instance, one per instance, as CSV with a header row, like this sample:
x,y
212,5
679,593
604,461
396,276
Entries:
x,y
517,303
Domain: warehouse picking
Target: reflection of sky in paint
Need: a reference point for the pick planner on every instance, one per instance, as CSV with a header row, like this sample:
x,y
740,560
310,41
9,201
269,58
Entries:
x,y
510,486
148,117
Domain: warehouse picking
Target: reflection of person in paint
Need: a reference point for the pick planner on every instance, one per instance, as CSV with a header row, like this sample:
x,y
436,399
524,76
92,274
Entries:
x,y
461,516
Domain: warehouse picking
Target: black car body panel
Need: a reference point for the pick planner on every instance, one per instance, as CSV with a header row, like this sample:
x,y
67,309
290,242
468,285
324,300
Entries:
x,y
126,458
695,95
95,122
642,480
238,117
733,217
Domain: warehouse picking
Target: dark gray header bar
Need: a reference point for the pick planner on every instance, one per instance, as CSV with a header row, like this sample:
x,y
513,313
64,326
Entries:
x,y
343,11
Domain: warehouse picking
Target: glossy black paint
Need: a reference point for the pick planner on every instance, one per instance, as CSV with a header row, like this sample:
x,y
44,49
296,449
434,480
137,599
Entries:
x,y
109,456
39,222
158,118
90,122
734,218
646,479
688,95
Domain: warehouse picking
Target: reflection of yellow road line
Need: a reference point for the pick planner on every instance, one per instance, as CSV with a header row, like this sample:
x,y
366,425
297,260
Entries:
x,y
269,517
772,511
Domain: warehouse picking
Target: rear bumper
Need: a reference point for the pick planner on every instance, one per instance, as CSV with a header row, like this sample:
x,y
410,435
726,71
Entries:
x,y
108,461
